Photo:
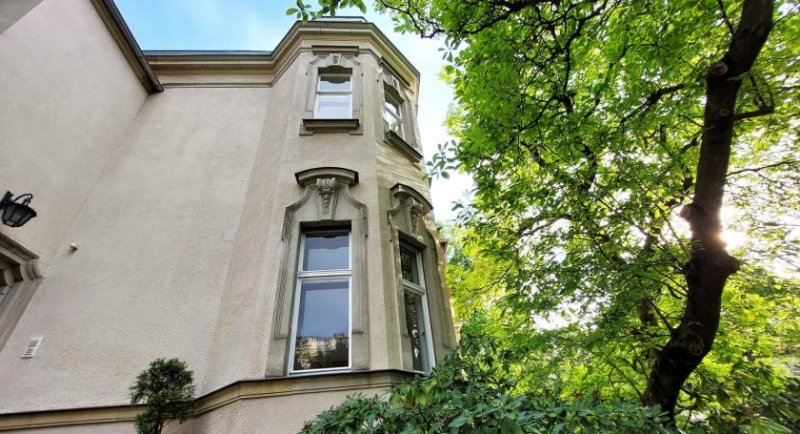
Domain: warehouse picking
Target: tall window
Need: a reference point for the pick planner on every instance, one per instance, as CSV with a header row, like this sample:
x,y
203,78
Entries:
x,y
416,307
393,112
334,94
321,326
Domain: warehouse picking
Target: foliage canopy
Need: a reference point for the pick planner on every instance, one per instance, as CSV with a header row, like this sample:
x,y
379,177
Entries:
x,y
590,127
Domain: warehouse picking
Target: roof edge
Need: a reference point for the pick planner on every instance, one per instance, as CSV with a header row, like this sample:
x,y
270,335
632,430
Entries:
x,y
246,59
121,33
332,24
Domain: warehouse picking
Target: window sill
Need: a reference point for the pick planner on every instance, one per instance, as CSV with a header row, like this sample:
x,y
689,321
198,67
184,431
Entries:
x,y
318,372
401,145
312,126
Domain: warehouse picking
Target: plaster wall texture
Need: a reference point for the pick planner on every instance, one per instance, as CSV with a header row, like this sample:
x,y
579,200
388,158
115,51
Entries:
x,y
156,237
277,415
68,95
179,204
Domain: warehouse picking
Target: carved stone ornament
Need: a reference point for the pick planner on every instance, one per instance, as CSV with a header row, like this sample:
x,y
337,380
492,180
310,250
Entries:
x,y
410,209
416,211
325,200
326,187
333,59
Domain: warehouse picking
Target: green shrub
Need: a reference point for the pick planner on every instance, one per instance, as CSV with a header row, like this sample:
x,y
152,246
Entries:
x,y
166,387
473,392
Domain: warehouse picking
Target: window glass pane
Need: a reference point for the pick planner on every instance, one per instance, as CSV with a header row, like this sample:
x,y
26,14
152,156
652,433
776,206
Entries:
x,y
392,108
333,106
334,83
323,325
393,124
408,265
326,252
413,303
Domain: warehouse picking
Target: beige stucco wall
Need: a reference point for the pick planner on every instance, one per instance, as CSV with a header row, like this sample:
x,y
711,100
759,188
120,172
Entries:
x,y
177,201
68,95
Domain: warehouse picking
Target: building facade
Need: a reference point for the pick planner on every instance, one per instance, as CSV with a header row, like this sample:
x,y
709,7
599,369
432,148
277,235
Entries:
x,y
260,215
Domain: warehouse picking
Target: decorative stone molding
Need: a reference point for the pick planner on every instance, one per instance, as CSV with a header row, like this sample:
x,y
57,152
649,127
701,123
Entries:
x,y
27,262
309,176
19,271
267,388
416,210
326,201
311,126
391,76
338,50
326,187
401,145
325,181
413,207
336,59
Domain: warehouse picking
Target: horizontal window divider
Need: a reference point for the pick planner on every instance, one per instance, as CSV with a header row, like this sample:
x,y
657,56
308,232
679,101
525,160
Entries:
x,y
302,372
413,287
324,273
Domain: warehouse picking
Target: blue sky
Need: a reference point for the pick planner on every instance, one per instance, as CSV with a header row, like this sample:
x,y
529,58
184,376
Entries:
x,y
260,24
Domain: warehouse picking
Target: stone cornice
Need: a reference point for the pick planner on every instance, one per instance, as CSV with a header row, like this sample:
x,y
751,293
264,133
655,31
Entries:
x,y
245,389
402,191
266,67
401,145
310,176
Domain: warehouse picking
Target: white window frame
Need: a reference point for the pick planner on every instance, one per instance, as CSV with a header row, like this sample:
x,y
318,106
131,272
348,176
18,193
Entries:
x,y
320,92
421,291
389,97
322,275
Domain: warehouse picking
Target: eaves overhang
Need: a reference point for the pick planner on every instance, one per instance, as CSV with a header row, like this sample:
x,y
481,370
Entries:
x,y
122,35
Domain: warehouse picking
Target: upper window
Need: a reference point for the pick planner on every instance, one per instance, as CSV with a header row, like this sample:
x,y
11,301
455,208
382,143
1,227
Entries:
x,y
416,307
393,112
322,322
334,98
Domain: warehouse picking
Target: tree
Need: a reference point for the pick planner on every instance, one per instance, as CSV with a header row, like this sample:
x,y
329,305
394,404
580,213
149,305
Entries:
x,y
166,387
588,126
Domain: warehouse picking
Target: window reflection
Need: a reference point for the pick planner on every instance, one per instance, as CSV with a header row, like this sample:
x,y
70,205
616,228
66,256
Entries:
x,y
413,304
334,98
326,252
322,339
408,265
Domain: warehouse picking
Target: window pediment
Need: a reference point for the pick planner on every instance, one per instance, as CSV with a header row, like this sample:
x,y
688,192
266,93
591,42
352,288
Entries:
x,y
334,96
410,209
325,204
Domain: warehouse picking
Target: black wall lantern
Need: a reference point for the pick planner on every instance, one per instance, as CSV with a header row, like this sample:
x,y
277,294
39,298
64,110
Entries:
x,y
16,212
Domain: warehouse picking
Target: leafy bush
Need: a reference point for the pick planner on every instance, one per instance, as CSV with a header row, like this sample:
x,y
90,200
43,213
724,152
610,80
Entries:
x,y
166,387
472,391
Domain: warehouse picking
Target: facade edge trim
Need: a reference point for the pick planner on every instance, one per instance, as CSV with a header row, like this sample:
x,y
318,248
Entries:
x,y
226,395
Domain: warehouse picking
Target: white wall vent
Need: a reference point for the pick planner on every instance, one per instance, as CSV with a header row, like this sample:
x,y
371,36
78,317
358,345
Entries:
x,y
32,347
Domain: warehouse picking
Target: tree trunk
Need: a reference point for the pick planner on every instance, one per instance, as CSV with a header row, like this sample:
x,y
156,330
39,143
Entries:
x,y
709,265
